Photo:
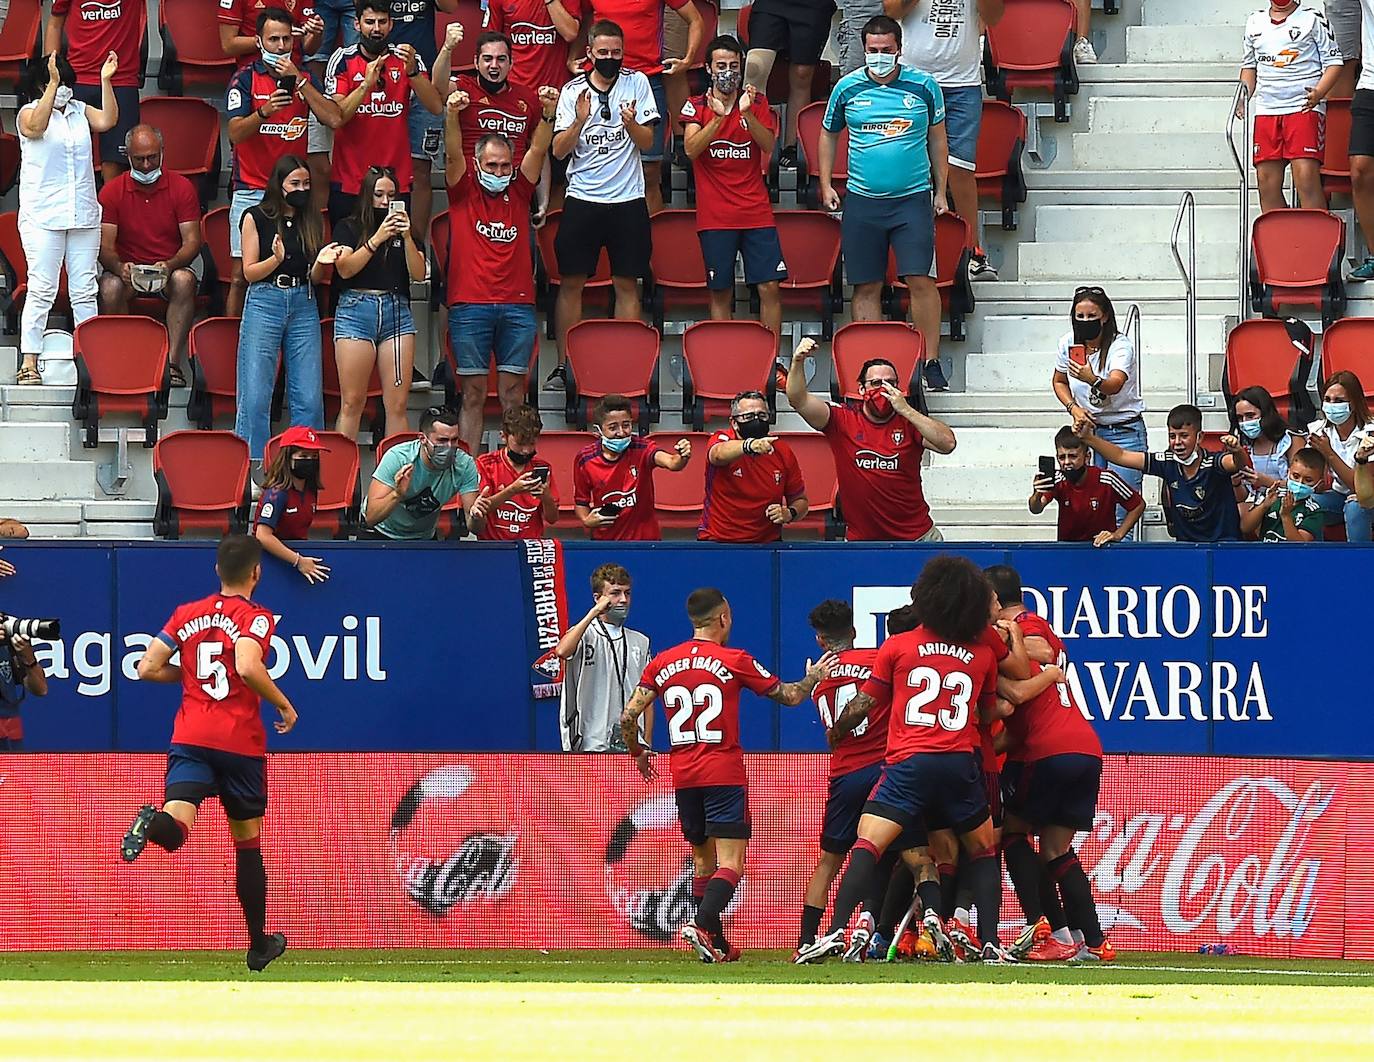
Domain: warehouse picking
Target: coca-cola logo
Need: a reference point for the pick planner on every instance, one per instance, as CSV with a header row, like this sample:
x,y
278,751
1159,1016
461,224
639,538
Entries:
x,y
1240,862
484,867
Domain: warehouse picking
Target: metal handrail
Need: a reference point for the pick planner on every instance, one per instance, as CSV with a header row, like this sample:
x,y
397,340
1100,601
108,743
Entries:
x,y
1240,112
1187,206
1132,329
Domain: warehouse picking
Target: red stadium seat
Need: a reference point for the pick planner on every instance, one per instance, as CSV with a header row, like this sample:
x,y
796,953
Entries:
x,y
1297,262
16,267
678,496
953,250
1001,140
472,15
1032,47
213,357
9,161
677,271
600,281
817,465
856,343
1265,353
374,413
721,359
612,358
559,449
808,141
191,51
190,131
202,483
1336,164
1348,346
811,248
338,509
121,367
214,236
20,33
452,523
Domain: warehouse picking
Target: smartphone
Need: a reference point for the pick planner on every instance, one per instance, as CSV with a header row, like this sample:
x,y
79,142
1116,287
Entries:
x,y
610,512
396,206
542,472
287,84
1078,354
1048,467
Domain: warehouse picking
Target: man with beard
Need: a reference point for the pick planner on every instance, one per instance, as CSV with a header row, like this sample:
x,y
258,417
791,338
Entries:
x,y
754,485
877,443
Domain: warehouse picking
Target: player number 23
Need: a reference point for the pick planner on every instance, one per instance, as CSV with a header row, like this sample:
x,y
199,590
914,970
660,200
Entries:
x,y
681,703
210,670
926,685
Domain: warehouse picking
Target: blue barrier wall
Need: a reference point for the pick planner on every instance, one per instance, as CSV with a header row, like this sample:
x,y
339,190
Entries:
x,y
1175,649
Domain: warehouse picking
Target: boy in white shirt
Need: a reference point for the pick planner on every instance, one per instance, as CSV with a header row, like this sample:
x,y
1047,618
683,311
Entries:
x,y
1291,62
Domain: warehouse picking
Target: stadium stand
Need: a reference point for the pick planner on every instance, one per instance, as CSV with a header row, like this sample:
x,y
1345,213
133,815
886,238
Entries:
x,y
202,483
338,509
612,358
720,360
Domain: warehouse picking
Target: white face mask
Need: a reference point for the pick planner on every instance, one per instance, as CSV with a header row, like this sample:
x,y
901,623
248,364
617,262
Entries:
x,y
146,178
62,96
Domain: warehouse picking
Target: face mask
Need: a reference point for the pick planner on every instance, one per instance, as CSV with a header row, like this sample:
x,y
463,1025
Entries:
x,y
1336,412
490,86
617,614
442,456
491,182
299,199
1187,458
1300,491
62,96
270,59
751,427
371,47
880,64
617,446
306,468
1073,475
518,459
609,69
146,178
880,403
1250,429
1086,331
726,81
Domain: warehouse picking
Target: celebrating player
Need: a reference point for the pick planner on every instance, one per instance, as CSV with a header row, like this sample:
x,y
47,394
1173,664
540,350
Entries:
x,y
699,682
218,742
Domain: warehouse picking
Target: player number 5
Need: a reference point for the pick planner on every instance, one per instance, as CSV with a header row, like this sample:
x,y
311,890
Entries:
x,y
926,684
682,702
214,678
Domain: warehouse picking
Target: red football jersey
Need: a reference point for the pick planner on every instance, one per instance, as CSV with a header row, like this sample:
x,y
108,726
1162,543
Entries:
x,y
738,494
642,21
539,55
1036,626
513,112
243,14
935,689
878,468
731,193
489,255
626,483
987,733
867,743
282,134
1052,724
218,710
521,516
95,28
378,134
699,683
1089,506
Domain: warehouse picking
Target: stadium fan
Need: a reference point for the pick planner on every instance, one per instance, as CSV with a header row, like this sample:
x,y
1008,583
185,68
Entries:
x,y
20,675
1290,513
1337,435
414,480
1345,19
1290,64
1096,378
96,31
877,444
796,30
373,327
1364,482
729,135
605,118
59,214
269,104
898,164
240,23
516,494
1084,54
338,29
1265,437
290,489
754,485
699,682
613,478
541,35
150,241
496,103
218,742
1087,496
284,256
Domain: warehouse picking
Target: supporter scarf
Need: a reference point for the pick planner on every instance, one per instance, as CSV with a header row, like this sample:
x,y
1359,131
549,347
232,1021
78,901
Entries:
x,y
541,574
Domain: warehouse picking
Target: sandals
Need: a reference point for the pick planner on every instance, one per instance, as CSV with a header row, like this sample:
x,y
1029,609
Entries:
x,y
178,377
28,376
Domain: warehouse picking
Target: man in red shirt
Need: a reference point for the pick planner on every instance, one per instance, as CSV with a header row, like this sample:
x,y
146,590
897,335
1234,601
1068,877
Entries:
x,y
218,742
754,485
613,479
1088,496
372,82
539,32
496,103
516,496
729,134
238,28
491,266
98,28
152,218
877,442
699,682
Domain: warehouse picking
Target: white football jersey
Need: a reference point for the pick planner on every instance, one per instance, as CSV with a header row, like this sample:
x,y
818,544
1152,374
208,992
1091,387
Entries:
x,y
1288,58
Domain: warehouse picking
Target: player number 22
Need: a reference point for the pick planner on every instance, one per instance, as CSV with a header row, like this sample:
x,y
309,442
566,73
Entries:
x,y
682,702
926,685
211,671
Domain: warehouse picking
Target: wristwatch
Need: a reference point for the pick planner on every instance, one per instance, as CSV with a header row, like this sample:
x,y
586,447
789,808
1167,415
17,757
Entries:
x,y
791,514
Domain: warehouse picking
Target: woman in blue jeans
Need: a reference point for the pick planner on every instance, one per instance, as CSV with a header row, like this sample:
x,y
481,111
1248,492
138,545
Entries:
x,y
373,327
283,256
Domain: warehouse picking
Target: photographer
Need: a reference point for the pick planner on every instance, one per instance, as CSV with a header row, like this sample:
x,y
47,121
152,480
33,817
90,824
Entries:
x,y
20,675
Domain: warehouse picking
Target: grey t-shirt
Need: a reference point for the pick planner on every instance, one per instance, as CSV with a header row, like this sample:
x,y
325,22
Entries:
x,y
597,682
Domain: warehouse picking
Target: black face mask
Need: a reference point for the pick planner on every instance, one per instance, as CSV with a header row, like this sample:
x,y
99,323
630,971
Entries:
x,y
1086,331
518,459
307,469
607,68
490,86
1073,475
752,427
370,47
299,199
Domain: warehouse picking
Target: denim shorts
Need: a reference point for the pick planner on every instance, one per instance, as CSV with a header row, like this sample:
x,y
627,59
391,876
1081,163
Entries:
x,y
426,132
242,199
478,331
963,116
340,28
870,226
655,152
372,318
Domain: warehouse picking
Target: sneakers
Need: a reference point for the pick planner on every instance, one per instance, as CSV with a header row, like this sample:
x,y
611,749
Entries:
x,y
996,955
931,927
962,937
1362,272
1050,950
879,947
979,268
859,938
556,380
1083,52
137,837
1030,937
1104,952
787,157
272,948
819,949
935,376
704,945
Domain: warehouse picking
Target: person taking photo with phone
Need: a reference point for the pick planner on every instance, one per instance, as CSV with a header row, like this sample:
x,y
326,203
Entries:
x,y
1087,496
516,497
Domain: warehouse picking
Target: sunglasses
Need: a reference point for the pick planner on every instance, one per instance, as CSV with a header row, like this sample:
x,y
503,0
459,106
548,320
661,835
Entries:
x,y
1080,292
382,171
605,107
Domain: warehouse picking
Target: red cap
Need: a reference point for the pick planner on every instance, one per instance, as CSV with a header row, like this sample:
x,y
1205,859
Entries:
x,y
301,438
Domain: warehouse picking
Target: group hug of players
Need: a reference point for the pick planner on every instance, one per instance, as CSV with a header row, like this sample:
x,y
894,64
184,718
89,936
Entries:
x,y
964,708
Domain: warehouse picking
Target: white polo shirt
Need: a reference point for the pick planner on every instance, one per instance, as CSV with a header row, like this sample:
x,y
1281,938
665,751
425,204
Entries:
x,y
604,166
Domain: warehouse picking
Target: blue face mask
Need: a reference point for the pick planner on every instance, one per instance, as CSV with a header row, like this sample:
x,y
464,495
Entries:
x,y
880,64
491,182
617,446
1250,428
1336,412
1300,491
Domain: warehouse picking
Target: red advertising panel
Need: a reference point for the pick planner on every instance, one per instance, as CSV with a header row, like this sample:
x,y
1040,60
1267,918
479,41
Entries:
x,y
1271,857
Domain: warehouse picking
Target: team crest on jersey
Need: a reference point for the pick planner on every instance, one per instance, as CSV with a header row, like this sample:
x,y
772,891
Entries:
x,y
395,74
1093,503
634,472
898,436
